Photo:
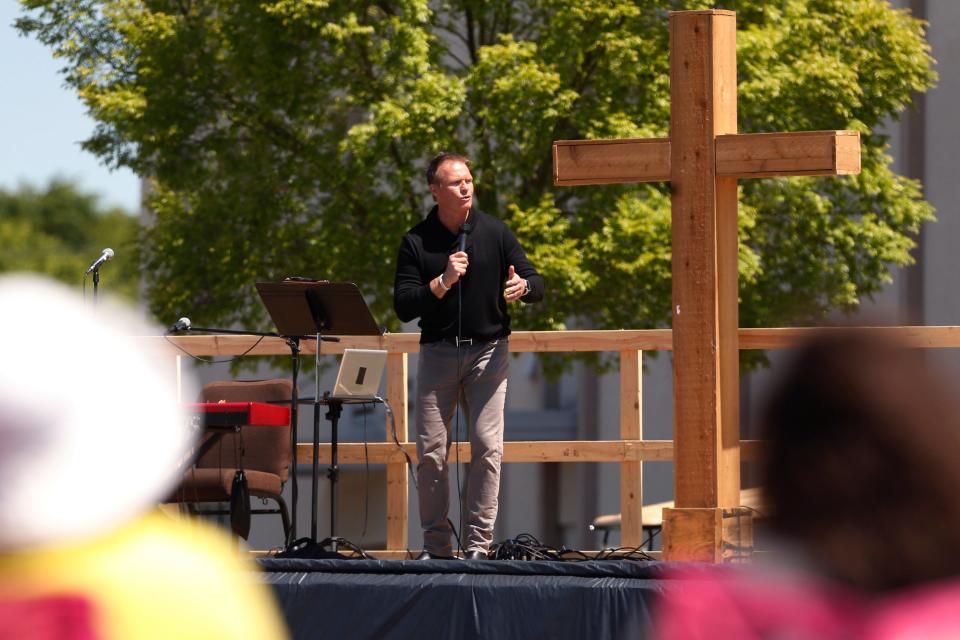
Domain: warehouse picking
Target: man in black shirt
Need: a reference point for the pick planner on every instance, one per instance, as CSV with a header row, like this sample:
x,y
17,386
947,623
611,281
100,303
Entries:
x,y
456,271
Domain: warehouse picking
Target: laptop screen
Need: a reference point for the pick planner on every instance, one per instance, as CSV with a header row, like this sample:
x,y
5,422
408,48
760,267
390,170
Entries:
x,y
360,373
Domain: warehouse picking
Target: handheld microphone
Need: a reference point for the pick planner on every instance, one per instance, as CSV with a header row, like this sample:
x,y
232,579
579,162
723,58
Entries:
x,y
106,255
183,324
462,238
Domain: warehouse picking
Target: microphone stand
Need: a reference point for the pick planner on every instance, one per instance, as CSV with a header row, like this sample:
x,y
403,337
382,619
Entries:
x,y
294,343
95,269
332,474
96,285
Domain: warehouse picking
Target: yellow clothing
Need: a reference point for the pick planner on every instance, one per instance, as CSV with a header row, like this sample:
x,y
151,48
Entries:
x,y
153,578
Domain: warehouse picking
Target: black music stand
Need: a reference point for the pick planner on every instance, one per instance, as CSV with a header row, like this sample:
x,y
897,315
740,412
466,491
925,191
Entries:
x,y
300,309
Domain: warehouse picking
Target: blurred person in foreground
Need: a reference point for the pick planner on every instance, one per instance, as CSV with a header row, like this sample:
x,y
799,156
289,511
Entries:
x,y
862,478
92,437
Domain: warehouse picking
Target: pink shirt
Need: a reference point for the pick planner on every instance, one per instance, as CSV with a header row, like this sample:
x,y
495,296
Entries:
x,y
752,604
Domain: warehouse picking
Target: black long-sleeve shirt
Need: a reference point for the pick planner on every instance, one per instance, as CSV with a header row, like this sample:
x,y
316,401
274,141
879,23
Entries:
x,y
491,248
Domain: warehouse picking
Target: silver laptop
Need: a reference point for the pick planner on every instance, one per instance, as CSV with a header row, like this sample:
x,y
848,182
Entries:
x,y
360,374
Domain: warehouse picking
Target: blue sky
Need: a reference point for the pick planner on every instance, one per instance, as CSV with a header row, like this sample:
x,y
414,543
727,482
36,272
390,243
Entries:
x,y
42,123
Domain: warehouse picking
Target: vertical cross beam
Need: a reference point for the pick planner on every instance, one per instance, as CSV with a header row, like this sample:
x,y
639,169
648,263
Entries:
x,y
703,92
703,86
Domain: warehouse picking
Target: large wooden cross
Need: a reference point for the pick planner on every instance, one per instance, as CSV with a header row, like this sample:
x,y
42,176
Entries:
x,y
702,159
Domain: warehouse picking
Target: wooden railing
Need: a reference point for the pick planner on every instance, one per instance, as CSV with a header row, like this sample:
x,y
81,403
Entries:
x,y
630,451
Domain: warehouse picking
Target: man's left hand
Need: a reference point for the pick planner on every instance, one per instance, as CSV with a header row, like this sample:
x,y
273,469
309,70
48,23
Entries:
x,y
515,286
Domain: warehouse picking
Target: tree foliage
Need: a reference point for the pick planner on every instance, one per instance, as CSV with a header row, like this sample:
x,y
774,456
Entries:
x,y
59,230
289,137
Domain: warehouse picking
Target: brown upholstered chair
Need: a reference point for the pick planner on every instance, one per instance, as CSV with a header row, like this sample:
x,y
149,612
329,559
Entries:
x,y
263,453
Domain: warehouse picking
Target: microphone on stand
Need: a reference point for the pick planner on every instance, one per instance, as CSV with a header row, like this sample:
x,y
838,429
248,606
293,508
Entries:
x,y
95,265
183,324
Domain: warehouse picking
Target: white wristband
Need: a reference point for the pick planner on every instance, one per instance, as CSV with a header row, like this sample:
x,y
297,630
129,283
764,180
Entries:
x,y
443,286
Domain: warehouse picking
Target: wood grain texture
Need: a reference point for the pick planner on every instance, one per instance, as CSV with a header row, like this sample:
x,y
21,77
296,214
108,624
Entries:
x,y
581,162
801,153
724,68
703,99
631,428
398,490
921,337
692,534
518,451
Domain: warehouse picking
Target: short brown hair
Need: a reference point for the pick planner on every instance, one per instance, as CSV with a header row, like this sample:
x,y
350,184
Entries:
x,y
439,159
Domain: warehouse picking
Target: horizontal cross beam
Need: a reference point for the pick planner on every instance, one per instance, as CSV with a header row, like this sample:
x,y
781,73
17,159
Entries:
x,y
750,155
577,162
799,153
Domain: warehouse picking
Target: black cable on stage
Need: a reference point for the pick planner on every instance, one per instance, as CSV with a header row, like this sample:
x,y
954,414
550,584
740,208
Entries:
x,y
396,440
460,394
648,543
526,547
355,550
456,535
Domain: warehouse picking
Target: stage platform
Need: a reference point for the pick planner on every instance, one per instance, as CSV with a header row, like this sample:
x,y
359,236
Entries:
x,y
463,599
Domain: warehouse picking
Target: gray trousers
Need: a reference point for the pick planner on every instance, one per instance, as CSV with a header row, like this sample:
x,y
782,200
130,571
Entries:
x,y
483,371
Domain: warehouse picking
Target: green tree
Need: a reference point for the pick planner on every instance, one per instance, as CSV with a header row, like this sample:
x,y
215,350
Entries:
x,y
288,137
59,230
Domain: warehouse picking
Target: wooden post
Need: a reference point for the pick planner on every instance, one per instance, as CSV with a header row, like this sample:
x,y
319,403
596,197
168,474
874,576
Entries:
x,y
704,208
397,477
631,428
